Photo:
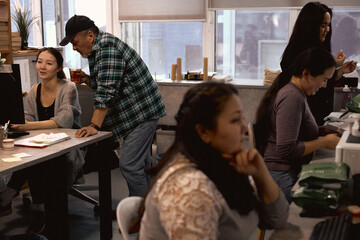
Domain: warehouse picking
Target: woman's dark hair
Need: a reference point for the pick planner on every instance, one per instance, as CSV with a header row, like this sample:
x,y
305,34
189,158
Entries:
x,y
202,104
306,32
315,60
59,59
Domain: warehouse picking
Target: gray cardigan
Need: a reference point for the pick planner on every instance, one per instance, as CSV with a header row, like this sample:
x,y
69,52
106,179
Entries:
x,y
67,108
67,115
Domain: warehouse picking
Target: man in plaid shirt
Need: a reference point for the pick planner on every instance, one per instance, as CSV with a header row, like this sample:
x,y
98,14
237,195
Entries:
x,y
126,98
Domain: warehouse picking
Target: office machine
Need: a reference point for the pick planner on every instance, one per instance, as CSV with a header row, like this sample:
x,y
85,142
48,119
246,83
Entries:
x,y
348,151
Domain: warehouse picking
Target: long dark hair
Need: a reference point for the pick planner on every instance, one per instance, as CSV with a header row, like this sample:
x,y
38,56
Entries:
x,y
315,60
201,105
306,32
59,59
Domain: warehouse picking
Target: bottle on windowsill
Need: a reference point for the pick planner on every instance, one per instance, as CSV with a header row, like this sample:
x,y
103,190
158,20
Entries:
x,y
346,96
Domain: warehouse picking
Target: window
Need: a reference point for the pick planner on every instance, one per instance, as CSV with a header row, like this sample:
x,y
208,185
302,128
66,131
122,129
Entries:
x,y
25,4
247,41
346,33
161,43
48,23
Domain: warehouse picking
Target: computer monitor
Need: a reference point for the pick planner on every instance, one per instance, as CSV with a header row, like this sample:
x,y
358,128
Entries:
x,y
11,101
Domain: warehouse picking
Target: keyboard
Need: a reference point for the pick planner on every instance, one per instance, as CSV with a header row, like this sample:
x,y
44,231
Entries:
x,y
335,228
13,134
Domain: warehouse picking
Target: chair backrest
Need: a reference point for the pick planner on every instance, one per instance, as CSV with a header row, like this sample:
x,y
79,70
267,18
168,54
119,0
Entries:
x,y
126,212
252,143
86,103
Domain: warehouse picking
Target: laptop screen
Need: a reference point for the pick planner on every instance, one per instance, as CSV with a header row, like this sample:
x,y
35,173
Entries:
x,y
11,101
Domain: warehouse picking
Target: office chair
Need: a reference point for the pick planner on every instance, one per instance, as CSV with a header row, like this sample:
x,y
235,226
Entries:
x,y
126,212
252,143
91,163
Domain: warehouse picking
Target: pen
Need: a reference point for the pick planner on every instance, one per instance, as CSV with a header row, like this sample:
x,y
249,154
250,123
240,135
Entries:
x,y
6,125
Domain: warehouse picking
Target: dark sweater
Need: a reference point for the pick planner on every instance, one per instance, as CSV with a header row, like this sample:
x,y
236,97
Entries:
x,y
291,124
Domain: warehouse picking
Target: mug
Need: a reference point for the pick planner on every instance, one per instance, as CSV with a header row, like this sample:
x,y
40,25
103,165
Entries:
x,y
75,75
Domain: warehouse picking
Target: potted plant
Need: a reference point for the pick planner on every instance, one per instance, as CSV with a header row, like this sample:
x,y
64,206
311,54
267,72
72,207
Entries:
x,y
23,20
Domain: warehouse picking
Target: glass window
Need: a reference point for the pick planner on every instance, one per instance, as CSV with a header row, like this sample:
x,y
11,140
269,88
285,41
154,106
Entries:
x,y
25,4
346,33
48,22
93,10
247,41
163,42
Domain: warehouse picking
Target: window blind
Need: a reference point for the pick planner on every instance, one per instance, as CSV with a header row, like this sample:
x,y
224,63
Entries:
x,y
161,10
236,4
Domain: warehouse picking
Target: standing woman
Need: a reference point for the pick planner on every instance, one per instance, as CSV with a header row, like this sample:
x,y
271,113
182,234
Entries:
x,y
201,188
286,131
313,29
53,103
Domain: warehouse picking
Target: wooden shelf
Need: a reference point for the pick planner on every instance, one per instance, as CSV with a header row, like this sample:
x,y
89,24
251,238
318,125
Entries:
x,y
5,31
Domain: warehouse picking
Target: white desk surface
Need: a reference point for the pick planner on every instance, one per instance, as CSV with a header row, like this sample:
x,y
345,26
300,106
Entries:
x,y
39,155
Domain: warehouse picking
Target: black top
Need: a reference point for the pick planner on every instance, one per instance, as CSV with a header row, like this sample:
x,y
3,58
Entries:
x,y
44,113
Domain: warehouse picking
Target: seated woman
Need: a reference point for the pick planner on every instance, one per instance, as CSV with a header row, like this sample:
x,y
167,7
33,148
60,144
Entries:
x,y
201,189
286,131
53,103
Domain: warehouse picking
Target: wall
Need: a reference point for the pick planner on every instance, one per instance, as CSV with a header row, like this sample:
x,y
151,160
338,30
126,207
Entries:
x,y
173,92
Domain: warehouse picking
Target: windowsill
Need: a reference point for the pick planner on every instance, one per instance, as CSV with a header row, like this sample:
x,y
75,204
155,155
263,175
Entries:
x,y
237,82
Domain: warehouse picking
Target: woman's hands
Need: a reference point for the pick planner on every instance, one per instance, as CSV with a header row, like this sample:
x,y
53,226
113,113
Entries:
x,y
349,66
340,58
331,140
248,162
21,127
344,67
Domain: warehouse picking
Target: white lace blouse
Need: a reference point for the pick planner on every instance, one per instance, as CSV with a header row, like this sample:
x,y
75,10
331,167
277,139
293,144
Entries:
x,y
185,204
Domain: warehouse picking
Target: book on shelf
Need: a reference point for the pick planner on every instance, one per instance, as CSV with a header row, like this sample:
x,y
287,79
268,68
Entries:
x,y
42,140
16,39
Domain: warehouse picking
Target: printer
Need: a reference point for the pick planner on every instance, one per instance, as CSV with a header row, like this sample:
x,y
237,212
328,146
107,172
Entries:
x,y
348,151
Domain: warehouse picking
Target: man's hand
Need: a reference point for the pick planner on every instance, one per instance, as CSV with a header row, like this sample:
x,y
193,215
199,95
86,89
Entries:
x,y
84,78
85,132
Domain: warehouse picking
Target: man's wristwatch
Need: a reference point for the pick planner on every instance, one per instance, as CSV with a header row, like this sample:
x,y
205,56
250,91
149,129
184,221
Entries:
x,y
94,126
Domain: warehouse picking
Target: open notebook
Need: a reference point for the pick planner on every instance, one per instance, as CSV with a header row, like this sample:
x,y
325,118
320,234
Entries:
x,y
42,140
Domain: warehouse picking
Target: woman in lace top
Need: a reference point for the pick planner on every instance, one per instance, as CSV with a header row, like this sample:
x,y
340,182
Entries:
x,y
201,188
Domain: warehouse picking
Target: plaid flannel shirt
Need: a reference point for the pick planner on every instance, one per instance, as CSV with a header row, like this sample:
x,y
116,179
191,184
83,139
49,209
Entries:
x,y
122,83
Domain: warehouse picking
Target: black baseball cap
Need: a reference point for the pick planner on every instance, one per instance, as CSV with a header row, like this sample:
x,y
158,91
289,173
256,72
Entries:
x,y
76,24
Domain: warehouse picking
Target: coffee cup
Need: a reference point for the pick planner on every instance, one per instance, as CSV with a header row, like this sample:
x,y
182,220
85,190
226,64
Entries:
x,y
75,75
8,144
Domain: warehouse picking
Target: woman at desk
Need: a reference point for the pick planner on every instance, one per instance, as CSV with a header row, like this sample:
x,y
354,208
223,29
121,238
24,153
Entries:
x,y
286,131
313,29
53,103
201,188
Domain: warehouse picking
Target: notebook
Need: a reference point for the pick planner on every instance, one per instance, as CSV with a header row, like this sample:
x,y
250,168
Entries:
x,y
42,140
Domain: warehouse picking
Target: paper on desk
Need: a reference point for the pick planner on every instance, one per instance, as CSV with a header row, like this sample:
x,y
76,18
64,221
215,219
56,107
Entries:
x,y
42,140
12,159
21,155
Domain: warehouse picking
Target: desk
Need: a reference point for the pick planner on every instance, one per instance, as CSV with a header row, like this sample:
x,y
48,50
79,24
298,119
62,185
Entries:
x,y
57,208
